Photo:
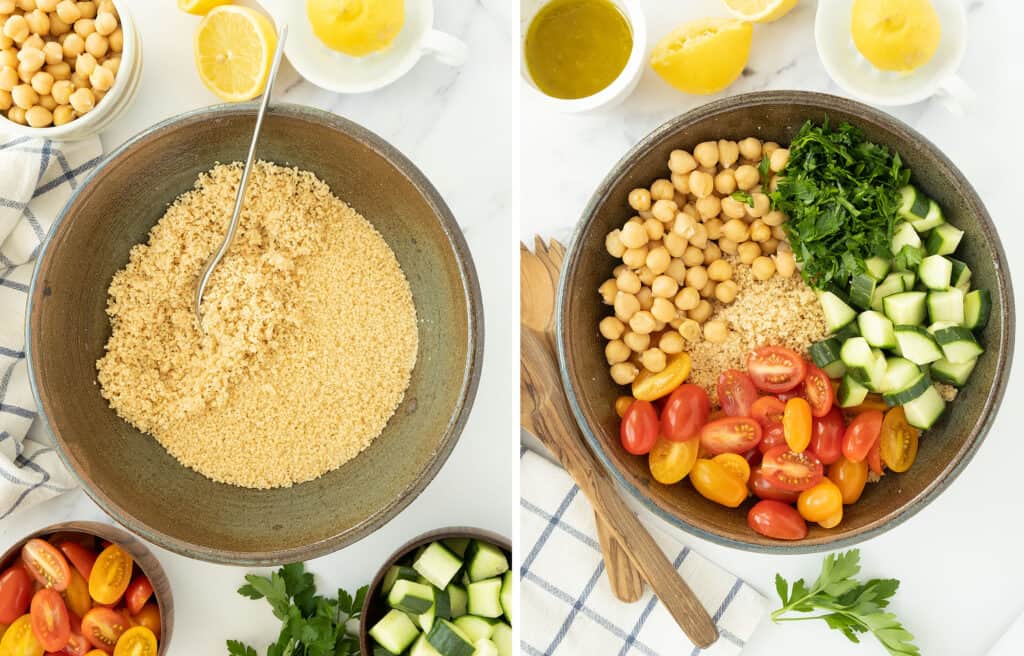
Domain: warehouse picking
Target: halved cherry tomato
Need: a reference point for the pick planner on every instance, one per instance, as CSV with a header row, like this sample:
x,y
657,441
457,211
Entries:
x,y
77,644
110,576
767,411
714,482
764,488
735,464
861,435
899,441
103,626
827,440
46,564
19,640
671,461
50,620
138,593
776,369
777,520
686,410
15,593
730,435
850,477
736,393
136,641
796,424
148,617
77,595
648,386
818,390
874,458
790,470
638,431
773,437
820,502
81,557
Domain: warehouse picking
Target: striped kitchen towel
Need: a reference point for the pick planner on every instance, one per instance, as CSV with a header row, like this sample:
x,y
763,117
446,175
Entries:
x,y
566,602
36,180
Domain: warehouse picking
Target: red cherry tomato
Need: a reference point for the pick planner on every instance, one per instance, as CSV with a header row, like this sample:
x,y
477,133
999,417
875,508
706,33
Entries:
x,y
639,429
50,620
777,520
103,626
736,393
772,437
81,557
762,488
46,564
875,457
790,470
767,411
77,644
818,390
138,593
730,435
862,434
827,436
686,410
776,369
15,593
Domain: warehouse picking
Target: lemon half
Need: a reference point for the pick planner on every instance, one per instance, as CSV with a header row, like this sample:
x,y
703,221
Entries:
x,y
760,11
896,35
703,56
200,7
356,27
234,47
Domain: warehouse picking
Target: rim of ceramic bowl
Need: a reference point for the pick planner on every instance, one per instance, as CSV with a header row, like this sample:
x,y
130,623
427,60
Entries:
x,y
827,102
471,371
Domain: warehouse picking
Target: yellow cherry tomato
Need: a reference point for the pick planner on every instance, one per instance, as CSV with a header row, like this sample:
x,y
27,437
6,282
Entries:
x,y
136,641
110,575
148,617
821,502
735,464
832,520
670,461
899,440
796,424
20,640
621,404
716,483
77,595
850,477
649,386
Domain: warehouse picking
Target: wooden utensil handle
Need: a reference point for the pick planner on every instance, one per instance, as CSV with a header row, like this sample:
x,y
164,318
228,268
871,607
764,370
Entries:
x,y
540,386
626,582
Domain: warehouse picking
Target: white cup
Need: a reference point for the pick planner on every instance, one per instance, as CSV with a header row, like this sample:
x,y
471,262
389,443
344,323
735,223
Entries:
x,y
336,71
858,77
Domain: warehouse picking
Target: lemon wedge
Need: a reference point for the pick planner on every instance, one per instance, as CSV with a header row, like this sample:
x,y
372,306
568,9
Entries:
x,y
234,47
200,7
703,56
896,35
356,27
760,11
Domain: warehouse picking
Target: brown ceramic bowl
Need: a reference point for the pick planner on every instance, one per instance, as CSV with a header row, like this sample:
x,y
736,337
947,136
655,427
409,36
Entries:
x,y
144,561
128,473
374,607
777,115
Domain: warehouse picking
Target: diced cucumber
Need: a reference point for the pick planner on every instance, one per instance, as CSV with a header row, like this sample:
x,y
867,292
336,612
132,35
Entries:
x,y
426,620
952,373
877,267
935,272
456,545
904,235
946,306
457,599
878,373
837,313
380,651
485,561
892,284
917,344
825,352
477,628
905,308
863,364
923,411
846,332
442,603
899,374
961,276
394,632
437,565
958,344
485,598
861,290
485,647
909,279
850,393
876,328
915,388
944,239
503,639
449,639
412,597
922,212
977,307
507,602
396,573
835,371
422,648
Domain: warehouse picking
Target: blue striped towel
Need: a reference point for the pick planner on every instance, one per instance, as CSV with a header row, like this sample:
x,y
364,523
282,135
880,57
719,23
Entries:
x,y
567,605
36,180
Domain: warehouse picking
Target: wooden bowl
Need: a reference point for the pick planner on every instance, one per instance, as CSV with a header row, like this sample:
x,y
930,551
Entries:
x,y
127,472
374,608
140,553
777,115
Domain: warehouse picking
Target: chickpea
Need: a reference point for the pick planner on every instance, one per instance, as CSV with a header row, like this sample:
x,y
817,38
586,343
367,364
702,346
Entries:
x,y
727,245
736,230
88,8
785,264
61,71
719,270
640,200
96,45
636,342
5,41
685,225
8,57
658,260
687,298
748,252
716,332
16,28
628,282
733,208
26,5
676,270
714,228
38,22
663,310
645,298
689,330
613,243
635,257
116,40
693,256
712,253
681,182
607,290
53,53
674,243
626,305
47,5
701,184
680,161
762,205
769,147
85,64
616,351
42,83
700,313
80,81
633,235
725,182
112,64
7,6
107,6
84,27
646,276
106,23
5,100
653,360
697,276
63,114
759,231
769,246
774,218
101,79
68,11
700,236
779,232
664,286
33,41
671,342
624,373
706,153
778,159
747,177
763,268
708,290
750,149
642,322
773,184
24,96
38,117
73,46
726,291
709,207
58,28
662,190
728,152
8,78
16,114
664,210
690,210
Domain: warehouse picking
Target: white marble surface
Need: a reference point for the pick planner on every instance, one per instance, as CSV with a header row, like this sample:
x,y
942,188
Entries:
x,y
458,127
958,559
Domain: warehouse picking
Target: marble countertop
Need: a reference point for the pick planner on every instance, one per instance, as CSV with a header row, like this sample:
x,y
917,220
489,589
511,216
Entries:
x,y
959,558
445,121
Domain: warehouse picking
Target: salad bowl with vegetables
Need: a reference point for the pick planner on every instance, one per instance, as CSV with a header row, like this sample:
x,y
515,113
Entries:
x,y
794,336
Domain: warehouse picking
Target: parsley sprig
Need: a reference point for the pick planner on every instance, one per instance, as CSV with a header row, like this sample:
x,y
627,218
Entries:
x,y
311,625
847,604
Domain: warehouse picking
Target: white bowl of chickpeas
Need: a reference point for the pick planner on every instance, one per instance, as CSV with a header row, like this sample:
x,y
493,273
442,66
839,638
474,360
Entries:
x,y
67,68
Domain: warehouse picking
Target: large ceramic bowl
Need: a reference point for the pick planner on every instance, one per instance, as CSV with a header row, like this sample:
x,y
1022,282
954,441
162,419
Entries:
x,y
945,449
128,473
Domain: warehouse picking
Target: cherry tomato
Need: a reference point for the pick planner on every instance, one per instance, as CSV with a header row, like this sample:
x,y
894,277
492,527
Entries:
x,y
827,440
777,520
850,477
796,424
861,435
76,597
77,644
818,390
671,461
138,593
81,557
763,488
736,393
795,393
19,640
735,464
110,576
899,441
767,411
50,620
686,410
15,593
103,626
148,617
638,431
622,404
730,435
773,437
136,641
832,520
791,470
776,369
753,456
714,482
820,502
874,458
648,386
46,564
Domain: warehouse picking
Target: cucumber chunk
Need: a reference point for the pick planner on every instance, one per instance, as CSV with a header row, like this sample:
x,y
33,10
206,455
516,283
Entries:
x,y
456,545
977,307
858,358
923,411
458,600
944,239
892,284
922,212
422,648
935,272
485,598
946,306
394,632
952,373
503,639
825,352
906,308
961,277
837,313
396,573
485,561
876,328
917,344
877,267
437,565
846,332
850,393
918,386
861,290
958,344
507,603
412,597
426,620
449,640
899,374
904,235
477,628
485,648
